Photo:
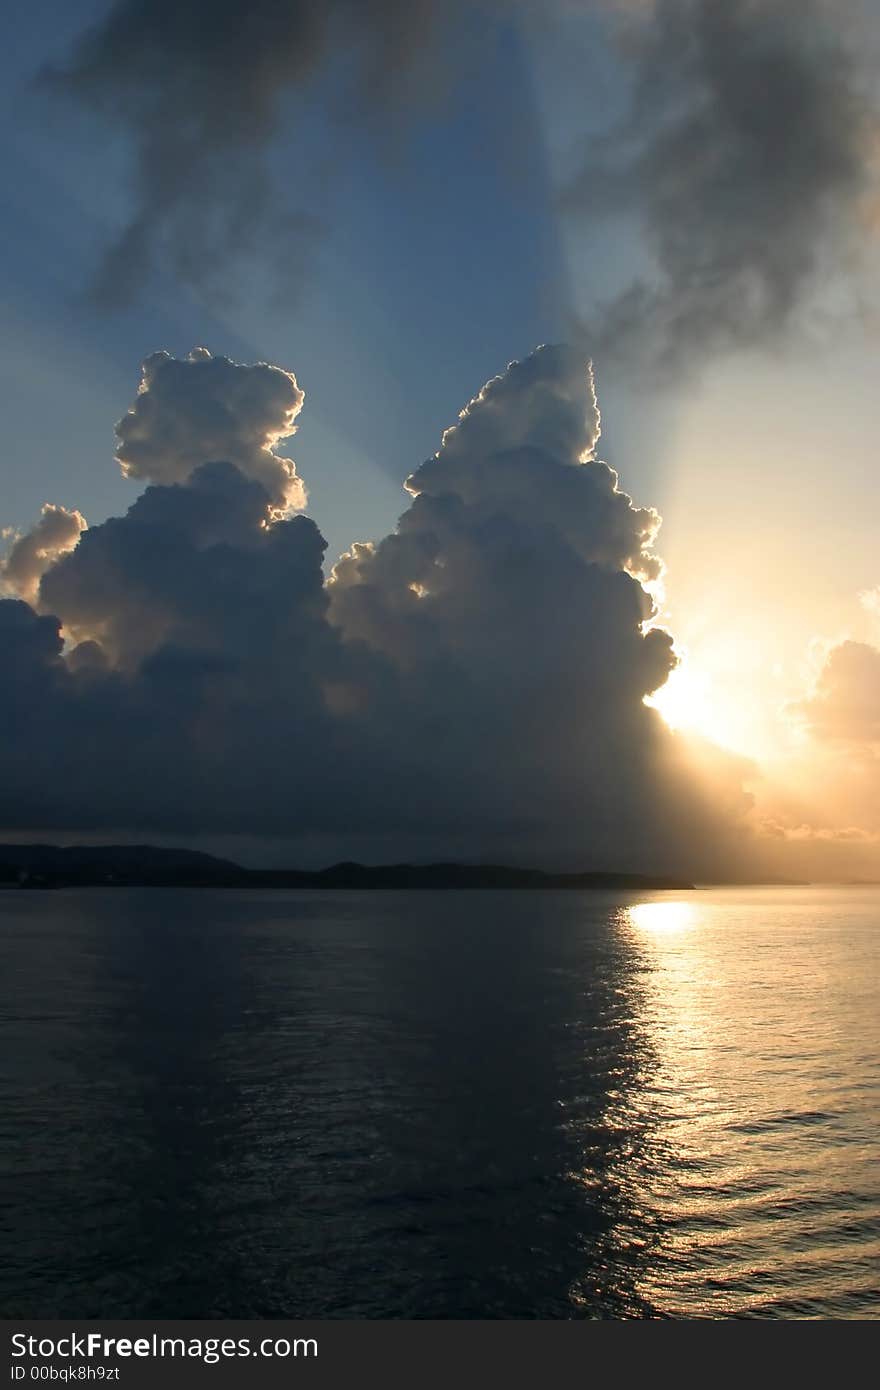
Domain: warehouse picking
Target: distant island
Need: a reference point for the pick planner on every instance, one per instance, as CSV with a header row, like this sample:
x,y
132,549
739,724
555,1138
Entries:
x,y
146,866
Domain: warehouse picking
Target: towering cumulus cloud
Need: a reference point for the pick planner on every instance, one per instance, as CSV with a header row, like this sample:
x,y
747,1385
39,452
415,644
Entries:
x,y
207,408
471,684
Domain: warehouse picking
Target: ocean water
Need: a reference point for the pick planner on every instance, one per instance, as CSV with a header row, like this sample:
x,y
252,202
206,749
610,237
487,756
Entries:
x,y
485,1104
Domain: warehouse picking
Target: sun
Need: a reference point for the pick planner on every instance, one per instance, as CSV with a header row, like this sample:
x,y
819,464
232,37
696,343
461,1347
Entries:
x,y
709,698
697,700
686,702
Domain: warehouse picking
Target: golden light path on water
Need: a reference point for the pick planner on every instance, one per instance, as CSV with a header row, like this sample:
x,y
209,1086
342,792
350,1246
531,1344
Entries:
x,y
750,1171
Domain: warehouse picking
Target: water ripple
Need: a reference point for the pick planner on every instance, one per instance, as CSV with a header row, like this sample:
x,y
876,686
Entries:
x,y
451,1105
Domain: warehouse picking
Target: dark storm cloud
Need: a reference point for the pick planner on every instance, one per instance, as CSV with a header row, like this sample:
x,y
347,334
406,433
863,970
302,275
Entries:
x,y
200,88
746,158
473,683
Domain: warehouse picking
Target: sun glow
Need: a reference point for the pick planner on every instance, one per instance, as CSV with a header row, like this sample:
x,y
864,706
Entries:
x,y
729,696
686,702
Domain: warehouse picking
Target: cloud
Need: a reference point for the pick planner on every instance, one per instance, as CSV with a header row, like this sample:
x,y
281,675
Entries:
x,y
822,804
30,555
516,477
201,89
470,685
192,566
543,413
845,703
747,158
207,408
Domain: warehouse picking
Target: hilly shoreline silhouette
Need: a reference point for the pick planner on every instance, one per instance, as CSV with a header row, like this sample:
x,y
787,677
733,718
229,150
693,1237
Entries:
x,y
147,866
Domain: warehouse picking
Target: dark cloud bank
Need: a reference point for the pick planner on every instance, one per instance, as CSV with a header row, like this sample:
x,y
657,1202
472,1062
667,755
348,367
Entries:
x,y
471,685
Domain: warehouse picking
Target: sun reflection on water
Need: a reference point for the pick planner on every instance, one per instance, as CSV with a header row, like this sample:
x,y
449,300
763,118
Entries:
x,y
661,917
736,1132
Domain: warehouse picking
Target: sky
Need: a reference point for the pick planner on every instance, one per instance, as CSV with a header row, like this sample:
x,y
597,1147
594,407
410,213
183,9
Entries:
x,y
390,203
